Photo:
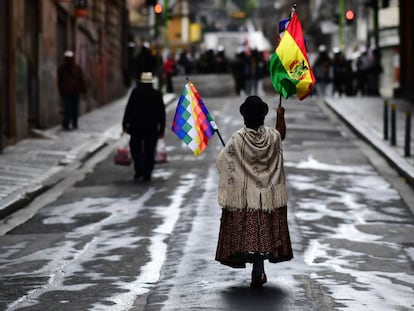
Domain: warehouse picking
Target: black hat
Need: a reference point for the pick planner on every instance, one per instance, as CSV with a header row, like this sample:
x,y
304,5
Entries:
x,y
254,107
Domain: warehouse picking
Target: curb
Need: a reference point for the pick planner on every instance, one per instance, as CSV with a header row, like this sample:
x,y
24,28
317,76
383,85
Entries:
x,y
392,157
24,197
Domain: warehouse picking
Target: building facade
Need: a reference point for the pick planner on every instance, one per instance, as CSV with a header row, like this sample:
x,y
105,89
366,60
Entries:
x,y
36,33
406,61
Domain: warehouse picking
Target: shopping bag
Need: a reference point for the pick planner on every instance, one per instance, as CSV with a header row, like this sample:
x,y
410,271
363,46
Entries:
x,y
122,155
161,151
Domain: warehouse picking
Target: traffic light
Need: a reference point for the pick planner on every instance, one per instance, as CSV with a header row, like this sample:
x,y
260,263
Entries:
x,y
349,17
159,18
158,9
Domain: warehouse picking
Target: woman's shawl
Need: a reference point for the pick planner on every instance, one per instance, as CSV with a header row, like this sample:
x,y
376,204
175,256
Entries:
x,y
251,174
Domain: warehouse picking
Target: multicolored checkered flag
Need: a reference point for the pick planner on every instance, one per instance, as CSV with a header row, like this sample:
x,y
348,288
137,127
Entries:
x,y
192,122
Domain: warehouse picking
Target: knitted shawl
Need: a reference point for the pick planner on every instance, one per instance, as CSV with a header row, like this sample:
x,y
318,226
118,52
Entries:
x,y
250,169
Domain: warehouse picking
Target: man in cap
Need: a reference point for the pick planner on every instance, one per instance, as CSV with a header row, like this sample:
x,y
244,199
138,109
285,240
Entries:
x,y
144,121
71,84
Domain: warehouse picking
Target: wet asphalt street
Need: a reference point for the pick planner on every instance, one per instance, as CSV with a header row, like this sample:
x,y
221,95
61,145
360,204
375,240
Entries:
x,y
105,242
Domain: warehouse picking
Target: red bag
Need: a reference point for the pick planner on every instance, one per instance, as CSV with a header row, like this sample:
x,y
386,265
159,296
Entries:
x,y
122,156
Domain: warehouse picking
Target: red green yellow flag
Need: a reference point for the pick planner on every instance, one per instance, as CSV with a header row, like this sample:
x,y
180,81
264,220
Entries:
x,y
289,67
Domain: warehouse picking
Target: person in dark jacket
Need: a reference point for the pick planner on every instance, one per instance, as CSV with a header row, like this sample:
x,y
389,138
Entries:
x,y
238,71
145,61
70,85
322,70
144,121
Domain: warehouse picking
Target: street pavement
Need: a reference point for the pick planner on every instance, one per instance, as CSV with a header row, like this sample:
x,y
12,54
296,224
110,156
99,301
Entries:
x,y
35,164
101,241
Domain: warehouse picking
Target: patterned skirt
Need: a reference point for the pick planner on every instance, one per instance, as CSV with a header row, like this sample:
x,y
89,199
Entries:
x,y
245,232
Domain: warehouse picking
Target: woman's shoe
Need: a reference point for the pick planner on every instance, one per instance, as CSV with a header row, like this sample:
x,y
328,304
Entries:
x,y
258,280
263,278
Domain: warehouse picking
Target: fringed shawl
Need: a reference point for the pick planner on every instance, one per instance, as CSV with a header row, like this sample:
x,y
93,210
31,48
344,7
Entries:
x,y
250,168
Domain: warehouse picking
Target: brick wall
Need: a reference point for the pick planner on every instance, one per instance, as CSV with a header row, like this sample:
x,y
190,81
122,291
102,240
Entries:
x,y
36,33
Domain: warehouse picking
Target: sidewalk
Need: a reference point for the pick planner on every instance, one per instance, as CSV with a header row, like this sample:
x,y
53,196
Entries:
x,y
365,115
35,164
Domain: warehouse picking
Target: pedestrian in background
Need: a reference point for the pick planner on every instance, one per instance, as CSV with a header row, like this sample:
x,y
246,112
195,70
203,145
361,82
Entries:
x,y
362,65
373,72
170,70
252,193
145,61
322,69
144,121
256,70
71,85
238,71
185,61
221,61
342,74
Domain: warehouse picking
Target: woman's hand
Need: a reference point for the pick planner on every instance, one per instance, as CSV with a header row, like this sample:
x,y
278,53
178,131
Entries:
x,y
280,110
280,121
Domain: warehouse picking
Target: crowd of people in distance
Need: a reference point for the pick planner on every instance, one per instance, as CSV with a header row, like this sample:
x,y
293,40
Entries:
x,y
247,66
335,74
339,76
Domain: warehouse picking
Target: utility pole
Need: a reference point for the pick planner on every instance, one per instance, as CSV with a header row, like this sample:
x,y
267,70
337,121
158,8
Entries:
x,y
341,17
159,14
375,23
165,24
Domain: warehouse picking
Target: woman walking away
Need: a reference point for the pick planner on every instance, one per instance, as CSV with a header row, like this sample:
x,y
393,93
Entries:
x,y
252,194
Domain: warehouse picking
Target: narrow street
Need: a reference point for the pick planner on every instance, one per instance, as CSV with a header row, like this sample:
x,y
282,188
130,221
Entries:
x,y
101,241
79,232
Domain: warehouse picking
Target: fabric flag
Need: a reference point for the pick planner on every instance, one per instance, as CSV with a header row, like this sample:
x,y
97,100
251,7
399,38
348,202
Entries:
x,y
192,122
289,67
282,27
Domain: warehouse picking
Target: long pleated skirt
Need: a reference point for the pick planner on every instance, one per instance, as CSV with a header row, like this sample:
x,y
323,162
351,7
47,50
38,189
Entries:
x,y
246,232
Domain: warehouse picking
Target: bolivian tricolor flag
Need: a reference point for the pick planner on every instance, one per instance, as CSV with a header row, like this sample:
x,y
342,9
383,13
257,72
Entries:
x,y
290,70
192,122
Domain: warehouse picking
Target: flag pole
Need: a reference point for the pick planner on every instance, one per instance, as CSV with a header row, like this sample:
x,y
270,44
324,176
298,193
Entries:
x,y
292,10
219,135
213,124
